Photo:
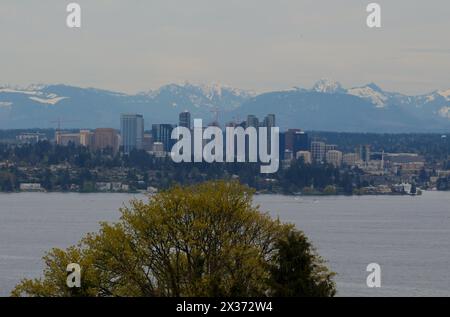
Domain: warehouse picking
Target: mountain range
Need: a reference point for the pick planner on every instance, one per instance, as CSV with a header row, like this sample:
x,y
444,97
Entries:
x,y
327,106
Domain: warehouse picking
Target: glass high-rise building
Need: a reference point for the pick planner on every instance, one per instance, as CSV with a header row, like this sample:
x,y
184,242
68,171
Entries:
x,y
269,121
252,121
296,140
185,119
163,133
132,132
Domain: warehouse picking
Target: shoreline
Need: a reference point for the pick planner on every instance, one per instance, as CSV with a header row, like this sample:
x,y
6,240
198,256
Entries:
x,y
316,194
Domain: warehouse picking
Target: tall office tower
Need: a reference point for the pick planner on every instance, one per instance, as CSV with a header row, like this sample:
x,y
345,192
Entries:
x,y
86,138
185,119
334,158
301,142
252,121
162,133
105,138
289,139
318,151
269,121
363,152
132,132
282,145
296,140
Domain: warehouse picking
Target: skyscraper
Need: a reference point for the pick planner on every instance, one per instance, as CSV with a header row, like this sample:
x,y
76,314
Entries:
x,y
185,119
163,133
132,132
252,121
282,145
296,140
269,121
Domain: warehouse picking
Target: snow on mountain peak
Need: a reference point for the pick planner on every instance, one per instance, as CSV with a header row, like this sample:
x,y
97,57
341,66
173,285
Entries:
x,y
371,92
216,89
445,94
50,100
34,92
208,91
375,87
327,86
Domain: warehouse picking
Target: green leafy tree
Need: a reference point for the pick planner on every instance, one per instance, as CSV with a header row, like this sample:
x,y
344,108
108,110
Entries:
x,y
299,271
203,240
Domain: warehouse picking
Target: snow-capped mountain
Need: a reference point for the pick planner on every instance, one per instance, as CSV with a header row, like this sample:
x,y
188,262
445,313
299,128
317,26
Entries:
x,y
201,96
35,93
39,105
435,102
326,106
445,94
371,92
328,86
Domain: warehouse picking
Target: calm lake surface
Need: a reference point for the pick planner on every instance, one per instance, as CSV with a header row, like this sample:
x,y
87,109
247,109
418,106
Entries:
x,y
408,236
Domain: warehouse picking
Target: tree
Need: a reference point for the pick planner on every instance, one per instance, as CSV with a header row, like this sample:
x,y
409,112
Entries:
x,y
330,190
203,240
298,270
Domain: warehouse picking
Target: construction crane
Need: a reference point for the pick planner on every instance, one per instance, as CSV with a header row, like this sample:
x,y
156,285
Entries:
x,y
59,121
215,111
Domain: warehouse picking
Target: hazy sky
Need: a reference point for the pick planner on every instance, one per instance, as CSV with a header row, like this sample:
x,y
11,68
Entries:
x,y
136,45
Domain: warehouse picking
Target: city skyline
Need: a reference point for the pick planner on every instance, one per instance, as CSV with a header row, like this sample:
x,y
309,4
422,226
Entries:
x,y
294,143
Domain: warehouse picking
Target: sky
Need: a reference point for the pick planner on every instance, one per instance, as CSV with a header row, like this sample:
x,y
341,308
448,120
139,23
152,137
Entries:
x,y
260,45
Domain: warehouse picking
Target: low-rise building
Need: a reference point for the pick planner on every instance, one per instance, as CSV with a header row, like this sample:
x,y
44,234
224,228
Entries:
x,y
334,158
105,138
350,159
30,187
305,156
65,139
31,137
103,186
407,162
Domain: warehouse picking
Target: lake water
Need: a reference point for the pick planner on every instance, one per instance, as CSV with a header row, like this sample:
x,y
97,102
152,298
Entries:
x,y
408,236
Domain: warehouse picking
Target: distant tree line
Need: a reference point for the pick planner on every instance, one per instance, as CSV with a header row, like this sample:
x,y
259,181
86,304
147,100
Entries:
x,y
83,167
432,146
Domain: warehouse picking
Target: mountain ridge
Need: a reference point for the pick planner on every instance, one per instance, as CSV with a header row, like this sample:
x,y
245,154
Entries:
x,y
326,106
